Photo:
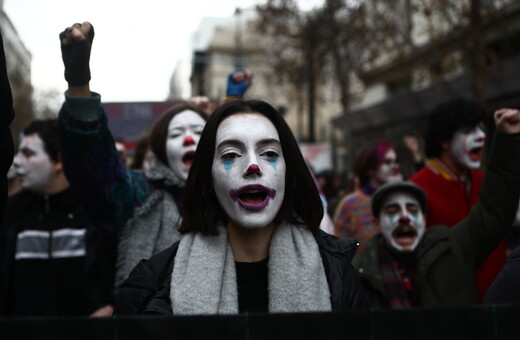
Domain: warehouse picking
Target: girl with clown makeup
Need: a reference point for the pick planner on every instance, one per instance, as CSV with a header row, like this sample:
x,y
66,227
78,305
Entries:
x,y
138,210
250,231
375,165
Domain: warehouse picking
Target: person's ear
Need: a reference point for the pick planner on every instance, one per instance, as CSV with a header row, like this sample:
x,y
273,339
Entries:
x,y
57,165
375,222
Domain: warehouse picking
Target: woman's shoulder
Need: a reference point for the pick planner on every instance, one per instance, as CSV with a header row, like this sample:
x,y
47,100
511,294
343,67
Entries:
x,y
343,248
144,281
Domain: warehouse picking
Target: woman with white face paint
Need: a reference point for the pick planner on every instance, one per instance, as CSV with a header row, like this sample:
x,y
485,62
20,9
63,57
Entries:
x,y
139,209
375,165
250,232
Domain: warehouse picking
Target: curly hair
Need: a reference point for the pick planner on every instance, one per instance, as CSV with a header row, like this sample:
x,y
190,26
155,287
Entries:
x,y
446,119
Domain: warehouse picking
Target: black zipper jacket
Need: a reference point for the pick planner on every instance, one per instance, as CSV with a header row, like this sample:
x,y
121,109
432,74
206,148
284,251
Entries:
x,y
53,261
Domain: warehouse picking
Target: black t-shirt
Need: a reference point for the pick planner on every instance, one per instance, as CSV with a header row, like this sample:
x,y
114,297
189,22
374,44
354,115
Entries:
x,y
252,286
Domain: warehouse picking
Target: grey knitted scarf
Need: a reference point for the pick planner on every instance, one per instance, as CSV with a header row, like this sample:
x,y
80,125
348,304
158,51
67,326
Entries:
x,y
153,226
204,275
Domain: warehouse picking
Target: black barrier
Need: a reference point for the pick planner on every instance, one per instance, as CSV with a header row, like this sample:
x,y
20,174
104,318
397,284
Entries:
x,y
482,322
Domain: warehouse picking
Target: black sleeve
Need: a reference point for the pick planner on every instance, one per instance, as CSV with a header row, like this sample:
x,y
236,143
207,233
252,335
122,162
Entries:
x,y
6,156
353,293
505,288
6,117
144,291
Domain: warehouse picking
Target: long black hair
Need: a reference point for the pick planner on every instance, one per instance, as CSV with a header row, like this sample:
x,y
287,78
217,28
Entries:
x,y
301,203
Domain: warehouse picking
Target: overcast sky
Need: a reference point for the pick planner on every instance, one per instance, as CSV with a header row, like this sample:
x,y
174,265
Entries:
x,y
137,43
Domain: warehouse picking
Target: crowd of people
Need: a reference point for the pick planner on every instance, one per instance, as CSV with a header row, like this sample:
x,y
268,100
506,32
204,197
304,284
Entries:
x,y
219,213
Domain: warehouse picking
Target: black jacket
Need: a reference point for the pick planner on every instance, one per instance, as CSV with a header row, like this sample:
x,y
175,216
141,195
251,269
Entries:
x,y
6,117
53,262
505,288
147,289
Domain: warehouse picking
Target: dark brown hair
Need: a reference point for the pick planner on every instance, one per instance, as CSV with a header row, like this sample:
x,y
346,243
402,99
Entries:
x,y
47,130
301,203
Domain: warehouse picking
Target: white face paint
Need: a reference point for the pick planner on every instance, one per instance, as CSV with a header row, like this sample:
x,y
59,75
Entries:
x,y
249,170
467,145
32,163
517,218
184,133
402,221
389,169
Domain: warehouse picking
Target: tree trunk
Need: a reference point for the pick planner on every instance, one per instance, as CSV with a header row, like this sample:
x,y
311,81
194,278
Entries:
x,y
477,53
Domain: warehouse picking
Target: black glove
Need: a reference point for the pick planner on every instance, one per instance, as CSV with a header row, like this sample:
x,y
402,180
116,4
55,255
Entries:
x,y
76,58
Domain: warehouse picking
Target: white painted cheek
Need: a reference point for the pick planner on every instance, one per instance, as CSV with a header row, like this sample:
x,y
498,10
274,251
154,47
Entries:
x,y
480,134
38,173
174,152
196,138
458,146
388,225
517,219
18,160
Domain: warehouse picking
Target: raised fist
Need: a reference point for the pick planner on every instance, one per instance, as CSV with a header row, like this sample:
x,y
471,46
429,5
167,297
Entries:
x,y
76,43
238,82
507,120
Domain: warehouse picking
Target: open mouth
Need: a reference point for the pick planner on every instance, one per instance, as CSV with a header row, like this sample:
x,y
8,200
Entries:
x,y
252,197
475,154
187,159
404,235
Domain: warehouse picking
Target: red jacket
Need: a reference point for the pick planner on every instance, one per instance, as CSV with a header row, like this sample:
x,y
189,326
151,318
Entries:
x,y
449,203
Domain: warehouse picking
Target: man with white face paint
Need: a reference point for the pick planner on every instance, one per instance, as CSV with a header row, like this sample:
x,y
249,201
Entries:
x,y
410,266
454,144
36,170
250,233
53,261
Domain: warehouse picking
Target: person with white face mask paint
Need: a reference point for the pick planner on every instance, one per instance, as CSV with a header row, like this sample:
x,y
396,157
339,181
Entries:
x,y
454,144
408,265
47,236
250,232
141,209
375,165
